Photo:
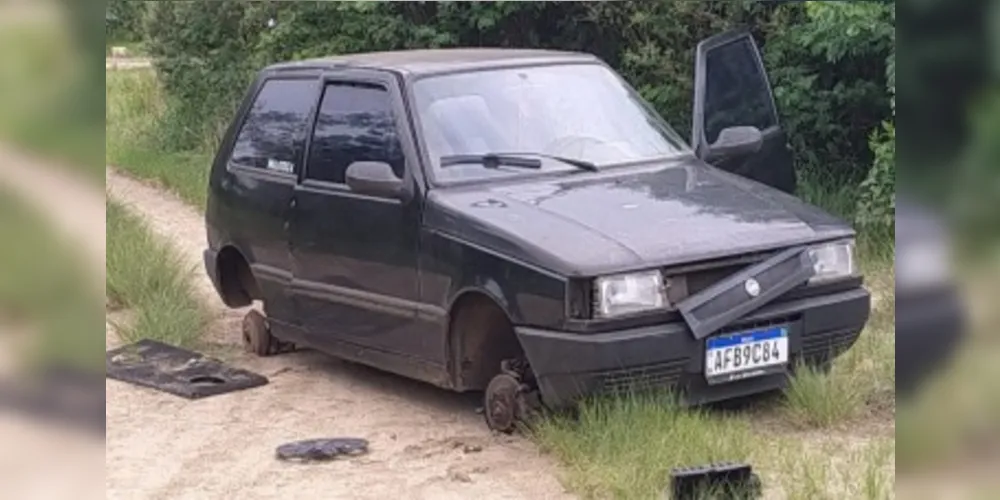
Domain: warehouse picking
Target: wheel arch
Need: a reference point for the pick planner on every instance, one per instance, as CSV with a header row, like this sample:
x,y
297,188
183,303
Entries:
x,y
238,286
480,335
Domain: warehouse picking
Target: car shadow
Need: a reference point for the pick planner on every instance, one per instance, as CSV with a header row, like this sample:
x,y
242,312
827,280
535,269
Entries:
x,y
372,382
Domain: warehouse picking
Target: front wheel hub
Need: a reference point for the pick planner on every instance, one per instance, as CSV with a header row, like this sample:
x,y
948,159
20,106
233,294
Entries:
x,y
502,402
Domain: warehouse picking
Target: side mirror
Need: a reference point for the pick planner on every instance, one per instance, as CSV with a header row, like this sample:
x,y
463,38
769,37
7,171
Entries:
x,y
736,141
375,178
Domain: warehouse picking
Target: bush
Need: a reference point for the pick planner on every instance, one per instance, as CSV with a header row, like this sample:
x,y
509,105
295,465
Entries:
x,y
827,60
829,75
203,53
877,200
123,21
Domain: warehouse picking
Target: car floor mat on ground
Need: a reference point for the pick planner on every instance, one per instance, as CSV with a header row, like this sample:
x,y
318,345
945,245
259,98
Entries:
x,y
170,369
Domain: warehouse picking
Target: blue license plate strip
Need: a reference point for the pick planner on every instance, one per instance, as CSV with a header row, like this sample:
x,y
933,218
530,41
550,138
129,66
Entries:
x,y
746,337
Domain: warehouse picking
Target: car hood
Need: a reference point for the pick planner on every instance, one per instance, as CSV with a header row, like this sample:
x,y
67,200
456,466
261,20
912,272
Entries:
x,y
678,212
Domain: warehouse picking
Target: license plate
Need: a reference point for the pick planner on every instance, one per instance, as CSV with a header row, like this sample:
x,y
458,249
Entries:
x,y
746,354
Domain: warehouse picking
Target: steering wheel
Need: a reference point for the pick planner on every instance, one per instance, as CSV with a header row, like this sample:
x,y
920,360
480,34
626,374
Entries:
x,y
563,146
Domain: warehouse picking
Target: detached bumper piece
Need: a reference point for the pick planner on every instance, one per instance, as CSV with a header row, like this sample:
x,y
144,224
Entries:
x,y
730,481
742,293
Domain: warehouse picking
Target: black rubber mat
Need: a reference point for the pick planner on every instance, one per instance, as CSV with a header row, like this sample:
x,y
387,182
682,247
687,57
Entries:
x,y
312,450
177,371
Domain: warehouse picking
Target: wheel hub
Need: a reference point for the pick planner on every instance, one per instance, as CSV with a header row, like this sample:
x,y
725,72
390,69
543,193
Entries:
x,y
501,400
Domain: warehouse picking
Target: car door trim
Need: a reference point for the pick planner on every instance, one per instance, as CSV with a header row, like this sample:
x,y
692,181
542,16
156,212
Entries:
x,y
264,174
366,300
335,189
271,273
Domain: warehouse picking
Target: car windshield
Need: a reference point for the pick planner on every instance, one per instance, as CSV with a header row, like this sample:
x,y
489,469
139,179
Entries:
x,y
577,111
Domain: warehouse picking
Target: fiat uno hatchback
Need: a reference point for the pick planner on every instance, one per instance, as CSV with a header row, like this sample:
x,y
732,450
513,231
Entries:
x,y
521,222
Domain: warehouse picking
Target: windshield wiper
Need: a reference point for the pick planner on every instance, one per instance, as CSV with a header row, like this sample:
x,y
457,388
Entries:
x,y
520,160
491,160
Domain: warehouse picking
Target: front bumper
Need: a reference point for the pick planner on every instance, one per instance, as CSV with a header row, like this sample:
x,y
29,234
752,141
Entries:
x,y
569,366
930,327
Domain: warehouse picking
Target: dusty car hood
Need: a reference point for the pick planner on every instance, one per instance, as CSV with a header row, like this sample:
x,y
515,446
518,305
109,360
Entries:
x,y
676,213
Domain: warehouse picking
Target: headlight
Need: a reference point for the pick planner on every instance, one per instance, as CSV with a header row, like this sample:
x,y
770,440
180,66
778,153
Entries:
x,y
923,264
832,261
628,293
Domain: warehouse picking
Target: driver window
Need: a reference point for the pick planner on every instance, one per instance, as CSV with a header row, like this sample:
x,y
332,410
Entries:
x,y
355,123
736,90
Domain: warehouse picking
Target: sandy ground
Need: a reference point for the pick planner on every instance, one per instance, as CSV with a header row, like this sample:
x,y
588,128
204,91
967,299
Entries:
x,y
425,442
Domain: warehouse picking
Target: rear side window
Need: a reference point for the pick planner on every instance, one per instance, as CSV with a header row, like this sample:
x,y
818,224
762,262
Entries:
x,y
355,123
274,129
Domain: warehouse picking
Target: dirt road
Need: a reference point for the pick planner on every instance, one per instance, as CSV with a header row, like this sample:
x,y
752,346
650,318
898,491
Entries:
x,y
425,442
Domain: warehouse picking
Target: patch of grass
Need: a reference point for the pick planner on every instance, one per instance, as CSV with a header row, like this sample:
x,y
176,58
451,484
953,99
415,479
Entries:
x,y
819,399
135,108
145,276
826,470
44,289
183,173
625,447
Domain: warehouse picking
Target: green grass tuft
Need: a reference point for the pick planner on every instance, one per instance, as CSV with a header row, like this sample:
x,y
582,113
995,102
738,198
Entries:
x,y
135,108
145,276
819,399
626,447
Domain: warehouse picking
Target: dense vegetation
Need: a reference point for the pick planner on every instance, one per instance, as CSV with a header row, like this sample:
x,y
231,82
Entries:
x,y
831,63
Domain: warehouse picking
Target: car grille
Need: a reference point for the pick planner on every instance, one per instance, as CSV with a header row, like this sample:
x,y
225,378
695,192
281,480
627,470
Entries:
x,y
825,345
703,275
642,379
700,280
752,325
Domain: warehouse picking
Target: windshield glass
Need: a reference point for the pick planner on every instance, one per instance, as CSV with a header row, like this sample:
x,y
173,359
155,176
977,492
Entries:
x,y
578,111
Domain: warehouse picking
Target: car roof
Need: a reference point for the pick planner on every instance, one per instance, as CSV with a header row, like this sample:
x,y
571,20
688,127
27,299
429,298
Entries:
x,y
429,61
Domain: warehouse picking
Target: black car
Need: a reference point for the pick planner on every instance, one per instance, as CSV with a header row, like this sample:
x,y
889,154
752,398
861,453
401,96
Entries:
x,y
522,222
930,313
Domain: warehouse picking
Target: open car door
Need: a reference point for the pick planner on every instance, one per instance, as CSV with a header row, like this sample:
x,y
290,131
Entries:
x,y
735,123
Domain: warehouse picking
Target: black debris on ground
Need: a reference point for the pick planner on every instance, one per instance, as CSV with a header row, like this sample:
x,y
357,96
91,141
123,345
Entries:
x,y
177,371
